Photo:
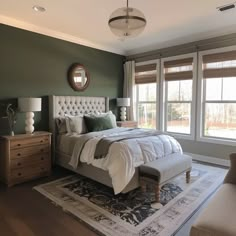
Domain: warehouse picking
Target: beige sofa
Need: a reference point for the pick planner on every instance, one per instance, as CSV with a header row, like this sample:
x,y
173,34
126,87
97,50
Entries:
x,y
219,217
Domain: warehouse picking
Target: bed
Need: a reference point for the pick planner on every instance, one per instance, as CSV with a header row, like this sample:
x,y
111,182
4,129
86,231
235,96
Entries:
x,y
59,106
74,105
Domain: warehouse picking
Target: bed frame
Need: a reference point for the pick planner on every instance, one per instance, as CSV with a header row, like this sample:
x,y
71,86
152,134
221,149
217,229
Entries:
x,y
75,105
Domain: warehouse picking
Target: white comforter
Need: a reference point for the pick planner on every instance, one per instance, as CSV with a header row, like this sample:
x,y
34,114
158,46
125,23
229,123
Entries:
x,y
125,155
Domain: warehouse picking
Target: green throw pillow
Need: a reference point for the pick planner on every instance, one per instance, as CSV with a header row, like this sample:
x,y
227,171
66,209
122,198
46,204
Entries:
x,y
95,123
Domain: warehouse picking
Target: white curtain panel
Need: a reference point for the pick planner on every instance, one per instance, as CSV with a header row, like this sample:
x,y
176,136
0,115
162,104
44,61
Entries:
x,y
129,87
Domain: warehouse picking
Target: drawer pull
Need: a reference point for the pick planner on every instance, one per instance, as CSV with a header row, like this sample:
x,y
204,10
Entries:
x,y
42,158
18,154
19,174
41,141
19,164
41,150
18,144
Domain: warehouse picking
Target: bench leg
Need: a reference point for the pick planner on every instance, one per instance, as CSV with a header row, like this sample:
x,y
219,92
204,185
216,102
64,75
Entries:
x,y
157,193
143,185
188,176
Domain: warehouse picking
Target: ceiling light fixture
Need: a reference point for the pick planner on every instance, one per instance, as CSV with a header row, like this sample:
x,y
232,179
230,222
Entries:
x,y
39,8
127,22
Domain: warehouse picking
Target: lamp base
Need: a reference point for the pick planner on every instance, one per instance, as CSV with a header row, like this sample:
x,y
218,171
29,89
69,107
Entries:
x,y
29,123
123,113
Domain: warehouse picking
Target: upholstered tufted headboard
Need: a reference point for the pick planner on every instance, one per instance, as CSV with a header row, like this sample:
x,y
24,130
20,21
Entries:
x,y
73,105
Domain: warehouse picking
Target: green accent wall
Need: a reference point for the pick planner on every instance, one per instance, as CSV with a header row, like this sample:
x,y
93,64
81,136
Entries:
x,y
36,65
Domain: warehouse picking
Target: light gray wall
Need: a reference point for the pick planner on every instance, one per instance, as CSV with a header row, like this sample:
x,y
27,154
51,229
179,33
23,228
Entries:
x,y
207,149
201,45
201,148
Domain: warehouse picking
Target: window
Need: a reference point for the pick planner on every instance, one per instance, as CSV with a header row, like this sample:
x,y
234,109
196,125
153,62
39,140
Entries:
x,y
146,110
146,87
179,106
219,97
174,113
178,102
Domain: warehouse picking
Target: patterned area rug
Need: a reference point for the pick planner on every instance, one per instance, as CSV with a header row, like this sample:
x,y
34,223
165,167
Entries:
x,y
132,213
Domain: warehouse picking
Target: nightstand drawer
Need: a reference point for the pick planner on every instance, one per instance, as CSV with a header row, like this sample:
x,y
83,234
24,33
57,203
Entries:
x,y
42,159
30,151
20,174
28,142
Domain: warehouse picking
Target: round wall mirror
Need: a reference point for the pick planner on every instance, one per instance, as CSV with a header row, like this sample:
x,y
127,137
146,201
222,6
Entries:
x,y
78,77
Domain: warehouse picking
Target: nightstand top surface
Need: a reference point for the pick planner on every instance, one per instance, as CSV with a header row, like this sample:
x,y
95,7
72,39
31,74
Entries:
x,y
22,136
126,121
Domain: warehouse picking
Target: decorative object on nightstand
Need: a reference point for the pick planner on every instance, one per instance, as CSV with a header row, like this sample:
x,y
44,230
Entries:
x,y
24,157
11,116
123,103
128,123
29,105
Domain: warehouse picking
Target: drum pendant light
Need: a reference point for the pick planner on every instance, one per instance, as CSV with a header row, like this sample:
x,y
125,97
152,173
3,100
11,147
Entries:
x,y
127,22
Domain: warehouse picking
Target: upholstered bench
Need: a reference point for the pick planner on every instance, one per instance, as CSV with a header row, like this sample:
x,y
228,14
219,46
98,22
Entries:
x,y
162,170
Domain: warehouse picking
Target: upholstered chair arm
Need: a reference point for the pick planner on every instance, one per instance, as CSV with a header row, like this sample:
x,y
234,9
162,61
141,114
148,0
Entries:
x,y
231,175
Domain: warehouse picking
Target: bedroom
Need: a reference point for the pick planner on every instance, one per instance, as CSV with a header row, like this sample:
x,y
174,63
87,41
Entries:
x,y
36,56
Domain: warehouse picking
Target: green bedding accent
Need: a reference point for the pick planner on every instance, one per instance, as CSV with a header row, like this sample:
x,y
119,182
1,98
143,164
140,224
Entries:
x,y
96,123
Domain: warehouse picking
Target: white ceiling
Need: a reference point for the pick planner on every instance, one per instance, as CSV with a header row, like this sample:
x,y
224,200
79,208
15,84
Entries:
x,y
169,22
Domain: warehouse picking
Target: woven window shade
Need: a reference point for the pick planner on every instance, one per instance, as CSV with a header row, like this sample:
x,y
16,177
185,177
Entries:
x,y
145,74
181,75
178,63
219,57
219,72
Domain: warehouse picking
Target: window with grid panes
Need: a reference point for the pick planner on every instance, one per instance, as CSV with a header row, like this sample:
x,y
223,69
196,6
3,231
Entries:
x,y
146,87
219,96
178,79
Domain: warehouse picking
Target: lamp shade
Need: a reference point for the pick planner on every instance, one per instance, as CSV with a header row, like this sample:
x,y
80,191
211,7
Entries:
x,y
29,104
123,102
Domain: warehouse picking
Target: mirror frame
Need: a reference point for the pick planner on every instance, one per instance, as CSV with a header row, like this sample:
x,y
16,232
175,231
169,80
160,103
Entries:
x,y
71,81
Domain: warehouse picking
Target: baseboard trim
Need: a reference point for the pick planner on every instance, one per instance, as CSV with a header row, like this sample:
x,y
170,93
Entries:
x,y
208,159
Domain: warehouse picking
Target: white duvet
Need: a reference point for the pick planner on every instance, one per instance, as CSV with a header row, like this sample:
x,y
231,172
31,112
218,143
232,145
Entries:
x,y
124,156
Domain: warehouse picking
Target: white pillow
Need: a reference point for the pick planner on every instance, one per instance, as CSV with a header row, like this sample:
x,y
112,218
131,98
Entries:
x,y
112,116
75,124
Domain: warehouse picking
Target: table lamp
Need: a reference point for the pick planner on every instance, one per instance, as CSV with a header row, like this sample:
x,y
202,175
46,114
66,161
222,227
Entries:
x,y
123,103
29,105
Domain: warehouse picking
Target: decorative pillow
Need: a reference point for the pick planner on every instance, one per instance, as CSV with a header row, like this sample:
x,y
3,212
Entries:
x,y
75,124
109,113
98,123
61,125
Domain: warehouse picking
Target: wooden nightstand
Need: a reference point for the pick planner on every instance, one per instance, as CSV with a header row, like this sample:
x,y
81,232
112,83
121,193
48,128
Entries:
x,y
127,123
24,157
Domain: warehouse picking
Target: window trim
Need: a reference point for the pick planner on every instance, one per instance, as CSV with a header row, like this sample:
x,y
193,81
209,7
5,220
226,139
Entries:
x,y
157,61
163,99
201,104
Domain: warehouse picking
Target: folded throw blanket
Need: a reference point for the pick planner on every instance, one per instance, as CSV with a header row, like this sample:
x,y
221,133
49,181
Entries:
x,y
83,139
103,145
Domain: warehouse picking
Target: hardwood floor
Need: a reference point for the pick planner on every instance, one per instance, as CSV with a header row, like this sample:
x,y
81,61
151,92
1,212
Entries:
x,y
25,212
